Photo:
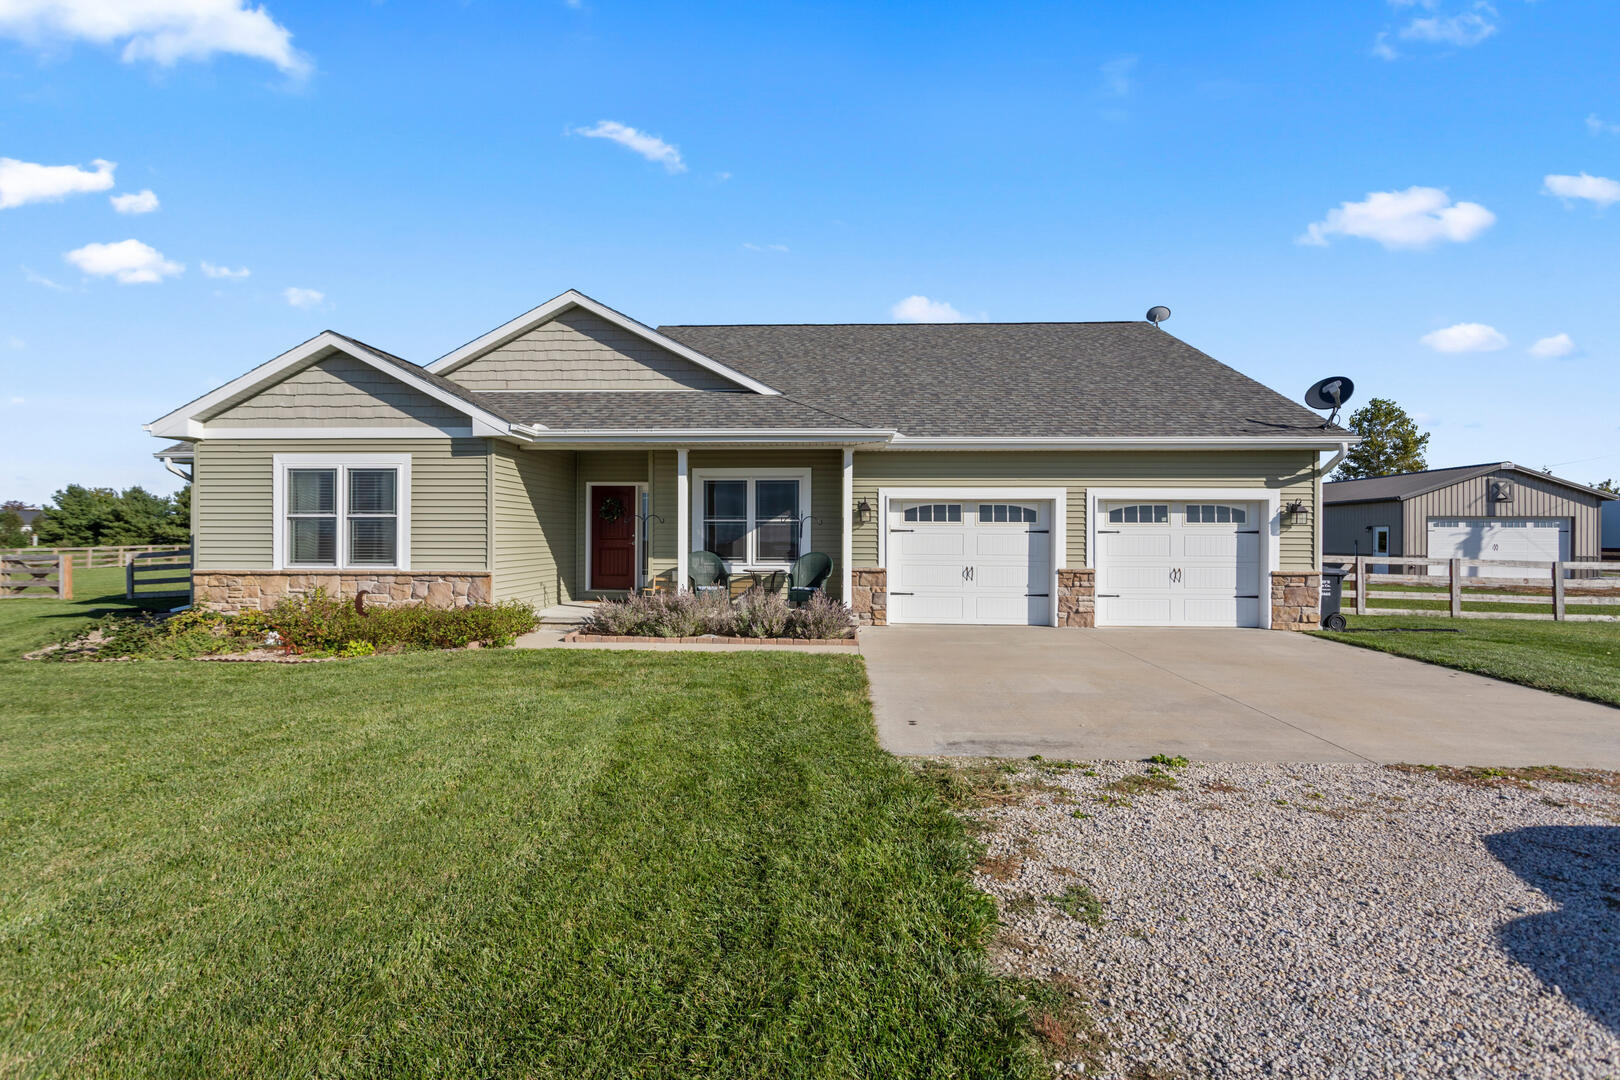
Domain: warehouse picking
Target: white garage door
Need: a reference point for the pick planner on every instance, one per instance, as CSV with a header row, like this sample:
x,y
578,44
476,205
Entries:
x,y
1178,564
1519,539
970,561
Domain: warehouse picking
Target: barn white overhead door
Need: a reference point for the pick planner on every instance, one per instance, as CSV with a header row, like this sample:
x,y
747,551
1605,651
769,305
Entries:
x,y
1171,563
1518,539
970,561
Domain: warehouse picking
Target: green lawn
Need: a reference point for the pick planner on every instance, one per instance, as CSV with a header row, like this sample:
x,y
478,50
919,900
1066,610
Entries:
x,y
1578,659
480,864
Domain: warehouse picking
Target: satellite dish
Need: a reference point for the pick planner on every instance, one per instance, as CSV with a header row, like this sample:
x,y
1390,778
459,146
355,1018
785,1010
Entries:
x,y
1157,314
1330,393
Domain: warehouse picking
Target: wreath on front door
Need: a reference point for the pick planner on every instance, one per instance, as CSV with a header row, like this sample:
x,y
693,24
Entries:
x,y
611,509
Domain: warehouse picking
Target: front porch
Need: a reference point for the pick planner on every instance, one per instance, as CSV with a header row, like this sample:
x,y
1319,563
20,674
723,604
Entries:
x,y
640,514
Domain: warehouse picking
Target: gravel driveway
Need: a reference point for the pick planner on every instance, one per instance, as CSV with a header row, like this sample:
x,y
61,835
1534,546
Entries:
x,y
1328,920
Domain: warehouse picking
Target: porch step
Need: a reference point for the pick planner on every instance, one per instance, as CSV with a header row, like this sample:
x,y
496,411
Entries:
x,y
569,614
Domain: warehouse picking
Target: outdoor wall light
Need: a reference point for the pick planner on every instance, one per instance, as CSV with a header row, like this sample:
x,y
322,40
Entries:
x,y
863,512
1295,508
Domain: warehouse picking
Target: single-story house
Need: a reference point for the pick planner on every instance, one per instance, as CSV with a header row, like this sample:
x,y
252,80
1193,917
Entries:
x,y
1043,473
1497,510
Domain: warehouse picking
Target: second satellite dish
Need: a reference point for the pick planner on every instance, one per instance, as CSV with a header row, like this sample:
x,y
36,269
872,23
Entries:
x,y
1330,393
1157,314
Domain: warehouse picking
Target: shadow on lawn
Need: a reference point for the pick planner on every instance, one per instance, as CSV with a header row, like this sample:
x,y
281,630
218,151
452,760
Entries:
x,y
1576,948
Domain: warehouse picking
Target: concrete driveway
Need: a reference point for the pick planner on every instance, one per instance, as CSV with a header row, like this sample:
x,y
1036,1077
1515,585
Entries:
x,y
1211,695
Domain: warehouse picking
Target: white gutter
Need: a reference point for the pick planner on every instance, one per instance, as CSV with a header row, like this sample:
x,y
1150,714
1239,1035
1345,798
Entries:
x,y
1264,442
675,436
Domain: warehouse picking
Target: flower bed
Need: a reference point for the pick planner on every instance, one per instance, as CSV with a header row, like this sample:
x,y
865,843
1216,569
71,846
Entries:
x,y
308,627
755,617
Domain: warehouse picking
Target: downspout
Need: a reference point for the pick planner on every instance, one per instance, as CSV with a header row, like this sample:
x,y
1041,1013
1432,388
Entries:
x,y
168,463
1344,451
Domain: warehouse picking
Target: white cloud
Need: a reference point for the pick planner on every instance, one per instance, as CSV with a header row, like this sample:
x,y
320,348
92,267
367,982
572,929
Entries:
x,y
14,342
210,270
920,309
650,147
1415,218
16,401
161,31
143,202
1465,30
129,261
25,182
1549,348
1465,338
1383,49
766,247
1116,76
1597,189
304,298
33,277
1599,126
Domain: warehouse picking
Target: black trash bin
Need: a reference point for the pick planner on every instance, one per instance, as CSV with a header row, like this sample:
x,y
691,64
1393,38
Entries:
x,y
1333,575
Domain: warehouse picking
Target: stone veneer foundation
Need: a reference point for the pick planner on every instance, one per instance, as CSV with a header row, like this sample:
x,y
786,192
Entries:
x,y
231,591
1077,598
870,601
1296,600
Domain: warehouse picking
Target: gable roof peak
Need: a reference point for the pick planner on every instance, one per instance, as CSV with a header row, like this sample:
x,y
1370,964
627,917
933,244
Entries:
x,y
573,298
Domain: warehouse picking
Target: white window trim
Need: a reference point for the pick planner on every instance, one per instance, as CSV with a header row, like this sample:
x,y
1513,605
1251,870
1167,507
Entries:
x,y
590,523
1270,525
281,463
1058,497
702,476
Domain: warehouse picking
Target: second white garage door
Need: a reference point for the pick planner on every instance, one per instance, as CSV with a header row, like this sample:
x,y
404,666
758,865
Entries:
x,y
970,561
1178,564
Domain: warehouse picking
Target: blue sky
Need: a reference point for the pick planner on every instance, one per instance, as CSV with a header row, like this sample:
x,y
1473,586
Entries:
x,y
420,172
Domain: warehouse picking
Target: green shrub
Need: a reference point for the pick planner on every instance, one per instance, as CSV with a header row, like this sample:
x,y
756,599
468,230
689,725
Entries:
x,y
357,648
318,623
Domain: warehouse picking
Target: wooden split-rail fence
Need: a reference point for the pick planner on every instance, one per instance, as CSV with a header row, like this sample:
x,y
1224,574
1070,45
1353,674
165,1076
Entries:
x,y
35,575
1566,586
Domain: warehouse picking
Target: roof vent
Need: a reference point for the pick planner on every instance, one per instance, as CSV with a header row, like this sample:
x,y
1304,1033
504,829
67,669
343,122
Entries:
x,y
1157,314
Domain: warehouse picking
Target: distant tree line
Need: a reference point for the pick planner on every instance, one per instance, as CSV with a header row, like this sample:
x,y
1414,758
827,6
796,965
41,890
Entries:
x,y
79,516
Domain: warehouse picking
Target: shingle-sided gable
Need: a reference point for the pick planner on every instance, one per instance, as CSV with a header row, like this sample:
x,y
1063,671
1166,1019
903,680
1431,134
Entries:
x,y
337,391
580,350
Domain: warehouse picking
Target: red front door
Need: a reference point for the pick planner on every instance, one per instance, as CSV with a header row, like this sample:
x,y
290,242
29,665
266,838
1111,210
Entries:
x,y
613,537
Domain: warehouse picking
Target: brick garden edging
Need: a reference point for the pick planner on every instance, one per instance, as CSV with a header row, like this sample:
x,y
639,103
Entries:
x,y
708,639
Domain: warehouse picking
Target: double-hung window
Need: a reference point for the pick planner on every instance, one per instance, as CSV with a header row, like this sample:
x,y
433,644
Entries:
x,y
752,520
342,512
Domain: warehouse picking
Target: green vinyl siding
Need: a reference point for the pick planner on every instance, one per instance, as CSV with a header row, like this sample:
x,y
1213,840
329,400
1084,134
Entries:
x,y
232,500
1291,472
534,524
601,467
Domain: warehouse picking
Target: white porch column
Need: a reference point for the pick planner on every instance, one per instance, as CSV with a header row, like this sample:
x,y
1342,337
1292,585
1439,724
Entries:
x,y
683,520
847,572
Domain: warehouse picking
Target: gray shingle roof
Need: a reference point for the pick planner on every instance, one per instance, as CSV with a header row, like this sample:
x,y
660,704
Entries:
x,y
1409,485
608,409
987,380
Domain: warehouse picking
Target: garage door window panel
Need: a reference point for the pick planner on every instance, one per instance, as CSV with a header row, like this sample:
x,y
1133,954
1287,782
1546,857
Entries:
x,y
1140,514
935,513
1216,514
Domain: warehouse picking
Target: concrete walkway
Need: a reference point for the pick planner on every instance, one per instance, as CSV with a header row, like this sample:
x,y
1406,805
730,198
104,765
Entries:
x,y
1212,695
